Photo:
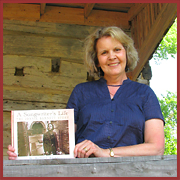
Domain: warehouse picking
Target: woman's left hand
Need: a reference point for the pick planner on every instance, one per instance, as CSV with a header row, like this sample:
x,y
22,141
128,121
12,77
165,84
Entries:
x,y
87,148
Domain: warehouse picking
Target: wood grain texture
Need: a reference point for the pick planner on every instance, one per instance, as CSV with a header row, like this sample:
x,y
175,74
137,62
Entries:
x,y
66,15
144,166
163,20
30,12
43,46
135,10
88,8
49,29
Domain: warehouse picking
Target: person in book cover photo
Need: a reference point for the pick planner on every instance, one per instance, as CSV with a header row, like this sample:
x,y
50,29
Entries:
x,y
50,141
114,116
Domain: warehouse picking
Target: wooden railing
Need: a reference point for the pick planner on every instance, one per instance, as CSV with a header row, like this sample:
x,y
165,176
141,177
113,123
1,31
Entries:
x,y
142,166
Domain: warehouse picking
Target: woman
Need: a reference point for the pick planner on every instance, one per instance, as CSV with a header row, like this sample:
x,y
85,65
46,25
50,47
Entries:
x,y
114,116
50,142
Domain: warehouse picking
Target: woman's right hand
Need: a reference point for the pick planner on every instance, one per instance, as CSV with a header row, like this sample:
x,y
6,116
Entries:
x,y
11,154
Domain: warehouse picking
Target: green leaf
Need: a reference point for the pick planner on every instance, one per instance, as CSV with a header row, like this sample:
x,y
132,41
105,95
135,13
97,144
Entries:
x,y
168,45
168,105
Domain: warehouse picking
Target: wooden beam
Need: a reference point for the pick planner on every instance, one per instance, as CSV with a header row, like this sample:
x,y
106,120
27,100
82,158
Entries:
x,y
16,11
43,7
88,8
134,11
66,15
108,18
161,24
16,43
76,16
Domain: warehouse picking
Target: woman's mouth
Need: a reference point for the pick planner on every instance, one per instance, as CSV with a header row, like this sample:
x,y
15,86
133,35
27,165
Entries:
x,y
113,64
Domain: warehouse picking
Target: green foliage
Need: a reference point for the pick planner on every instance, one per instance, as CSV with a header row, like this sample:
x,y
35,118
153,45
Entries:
x,y
168,45
168,105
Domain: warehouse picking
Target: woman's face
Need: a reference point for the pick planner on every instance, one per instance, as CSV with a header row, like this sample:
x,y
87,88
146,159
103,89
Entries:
x,y
50,127
111,56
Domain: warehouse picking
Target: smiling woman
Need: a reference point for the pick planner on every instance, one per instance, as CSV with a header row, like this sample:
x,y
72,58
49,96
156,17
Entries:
x,y
115,115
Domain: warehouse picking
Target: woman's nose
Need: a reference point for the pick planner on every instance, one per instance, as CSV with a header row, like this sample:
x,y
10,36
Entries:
x,y
112,55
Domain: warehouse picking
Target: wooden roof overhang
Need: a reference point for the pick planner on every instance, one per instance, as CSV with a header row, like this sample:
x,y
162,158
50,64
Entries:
x,y
147,22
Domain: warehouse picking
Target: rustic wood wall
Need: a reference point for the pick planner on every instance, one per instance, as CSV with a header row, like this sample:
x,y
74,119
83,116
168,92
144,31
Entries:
x,y
32,51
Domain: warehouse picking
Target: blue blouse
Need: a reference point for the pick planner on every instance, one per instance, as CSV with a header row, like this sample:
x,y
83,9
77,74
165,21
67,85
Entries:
x,y
113,122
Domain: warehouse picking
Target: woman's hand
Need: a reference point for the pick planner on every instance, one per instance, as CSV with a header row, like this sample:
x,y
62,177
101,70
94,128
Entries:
x,y
11,154
87,148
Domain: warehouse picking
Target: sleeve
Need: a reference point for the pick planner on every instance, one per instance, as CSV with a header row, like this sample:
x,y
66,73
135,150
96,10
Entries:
x,y
73,102
152,107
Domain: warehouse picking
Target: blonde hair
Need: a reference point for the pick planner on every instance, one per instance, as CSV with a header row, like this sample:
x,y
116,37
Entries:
x,y
91,60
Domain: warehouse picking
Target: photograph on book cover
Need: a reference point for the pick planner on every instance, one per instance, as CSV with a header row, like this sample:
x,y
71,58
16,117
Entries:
x,y
43,134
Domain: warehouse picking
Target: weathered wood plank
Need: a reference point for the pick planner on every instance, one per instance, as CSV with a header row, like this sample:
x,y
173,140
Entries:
x,y
123,7
34,95
50,29
6,120
145,23
9,105
5,156
6,138
38,66
92,160
148,19
152,13
139,31
63,15
134,32
6,131
37,73
104,18
76,16
144,166
141,27
42,46
155,11
21,11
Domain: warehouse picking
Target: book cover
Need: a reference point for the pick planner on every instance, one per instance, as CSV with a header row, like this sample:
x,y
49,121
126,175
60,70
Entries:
x,y
43,134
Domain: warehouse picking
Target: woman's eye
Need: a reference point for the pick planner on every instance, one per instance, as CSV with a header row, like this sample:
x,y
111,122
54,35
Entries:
x,y
104,52
117,49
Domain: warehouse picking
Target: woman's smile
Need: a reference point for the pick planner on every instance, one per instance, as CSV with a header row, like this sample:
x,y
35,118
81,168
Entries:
x,y
113,64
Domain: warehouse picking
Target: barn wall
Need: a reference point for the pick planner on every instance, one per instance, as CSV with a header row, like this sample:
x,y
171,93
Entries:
x,y
32,51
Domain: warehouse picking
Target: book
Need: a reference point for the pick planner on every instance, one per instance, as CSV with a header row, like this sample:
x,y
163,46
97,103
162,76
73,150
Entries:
x,y
43,134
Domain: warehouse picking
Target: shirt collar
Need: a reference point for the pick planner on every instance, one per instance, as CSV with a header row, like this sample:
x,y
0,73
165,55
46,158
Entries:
x,y
126,81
